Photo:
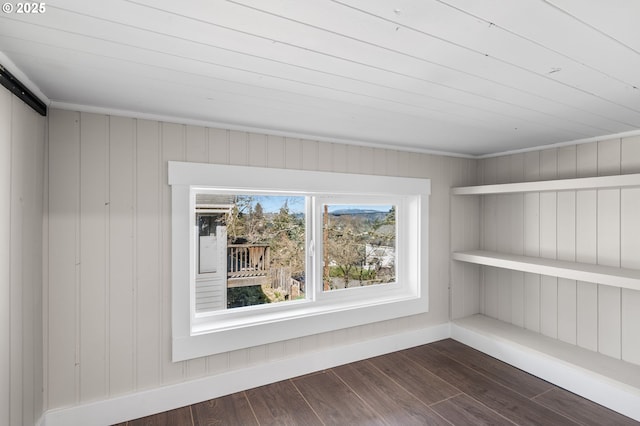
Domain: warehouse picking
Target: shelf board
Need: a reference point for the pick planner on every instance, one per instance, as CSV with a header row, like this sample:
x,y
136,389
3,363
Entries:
x,y
607,275
598,182
605,380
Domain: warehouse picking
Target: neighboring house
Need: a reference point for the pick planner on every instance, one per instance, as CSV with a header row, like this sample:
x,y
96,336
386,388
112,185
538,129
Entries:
x,y
379,257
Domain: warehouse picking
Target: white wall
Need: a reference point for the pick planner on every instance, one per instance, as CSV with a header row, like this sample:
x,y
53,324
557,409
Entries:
x,y
586,226
465,277
22,153
108,286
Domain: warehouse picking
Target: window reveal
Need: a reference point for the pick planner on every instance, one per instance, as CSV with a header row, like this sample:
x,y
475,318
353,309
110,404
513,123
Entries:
x,y
341,250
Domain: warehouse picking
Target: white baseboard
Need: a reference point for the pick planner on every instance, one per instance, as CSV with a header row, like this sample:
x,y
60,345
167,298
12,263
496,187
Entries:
x,y
599,380
607,381
144,403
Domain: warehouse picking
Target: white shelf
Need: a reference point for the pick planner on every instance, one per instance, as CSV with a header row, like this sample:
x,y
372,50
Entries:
x,y
605,380
607,275
599,182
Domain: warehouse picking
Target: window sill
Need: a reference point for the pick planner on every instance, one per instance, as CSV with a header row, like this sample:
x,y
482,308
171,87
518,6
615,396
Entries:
x,y
224,334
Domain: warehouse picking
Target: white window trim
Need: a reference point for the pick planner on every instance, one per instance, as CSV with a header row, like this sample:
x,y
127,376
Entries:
x,y
191,338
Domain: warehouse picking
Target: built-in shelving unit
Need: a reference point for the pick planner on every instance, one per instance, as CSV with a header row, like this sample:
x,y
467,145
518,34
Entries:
x,y
611,382
599,182
607,275
605,380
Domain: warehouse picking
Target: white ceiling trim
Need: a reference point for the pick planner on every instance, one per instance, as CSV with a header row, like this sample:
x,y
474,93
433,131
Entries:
x,y
226,126
241,128
603,138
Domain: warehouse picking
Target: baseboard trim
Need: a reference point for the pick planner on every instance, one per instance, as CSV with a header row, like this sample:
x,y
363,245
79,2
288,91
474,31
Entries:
x,y
601,389
144,403
562,366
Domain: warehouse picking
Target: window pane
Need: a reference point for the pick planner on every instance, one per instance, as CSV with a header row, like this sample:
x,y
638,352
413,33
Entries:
x,y
359,245
263,249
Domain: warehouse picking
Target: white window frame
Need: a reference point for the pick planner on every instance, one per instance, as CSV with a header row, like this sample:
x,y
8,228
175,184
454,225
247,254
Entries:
x,y
201,335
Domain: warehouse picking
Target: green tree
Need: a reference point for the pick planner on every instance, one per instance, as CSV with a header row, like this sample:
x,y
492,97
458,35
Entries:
x,y
255,225
390,218
286,233
246,296
237,218
346,246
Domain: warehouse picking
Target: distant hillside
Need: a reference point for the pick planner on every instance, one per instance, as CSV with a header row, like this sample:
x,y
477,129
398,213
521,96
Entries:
x,y
342,212
360,215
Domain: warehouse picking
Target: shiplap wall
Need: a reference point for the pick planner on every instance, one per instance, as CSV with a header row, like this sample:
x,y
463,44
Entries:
x,y
108,286
589,226
465,235
22,162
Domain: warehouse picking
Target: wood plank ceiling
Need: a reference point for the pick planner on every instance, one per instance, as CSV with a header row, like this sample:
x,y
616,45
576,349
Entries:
x,y
461,76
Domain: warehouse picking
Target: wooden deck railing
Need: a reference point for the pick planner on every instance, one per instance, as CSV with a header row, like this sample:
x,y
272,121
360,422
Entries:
x,y
249,265
247,260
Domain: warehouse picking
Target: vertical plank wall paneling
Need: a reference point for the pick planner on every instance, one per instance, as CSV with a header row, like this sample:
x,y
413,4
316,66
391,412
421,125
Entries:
x,y
608,249
586,252
22,159
516,234
121,253
589,226
532,282
148,255
94,226
548,241
6,393
6,115
439,236
566,248
465,235
18,177
31,132
109,245
630,250
172,147
257,151
465,296
62,353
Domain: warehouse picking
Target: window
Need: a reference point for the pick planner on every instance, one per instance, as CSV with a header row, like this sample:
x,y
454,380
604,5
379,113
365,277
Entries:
x,y
263,255
259,250
358,245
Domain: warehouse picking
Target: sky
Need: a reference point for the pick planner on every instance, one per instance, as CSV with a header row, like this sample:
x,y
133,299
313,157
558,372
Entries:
x,y
334,207
273,203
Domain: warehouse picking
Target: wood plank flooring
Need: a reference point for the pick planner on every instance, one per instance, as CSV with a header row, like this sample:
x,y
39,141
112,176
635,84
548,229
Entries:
x,y
442,383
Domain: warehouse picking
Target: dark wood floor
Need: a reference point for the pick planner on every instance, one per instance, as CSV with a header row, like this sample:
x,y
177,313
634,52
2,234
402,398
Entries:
x,y
442,383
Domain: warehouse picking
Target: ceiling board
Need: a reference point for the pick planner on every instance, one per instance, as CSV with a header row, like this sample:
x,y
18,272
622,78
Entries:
x,y
562,33
618,20
460,76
